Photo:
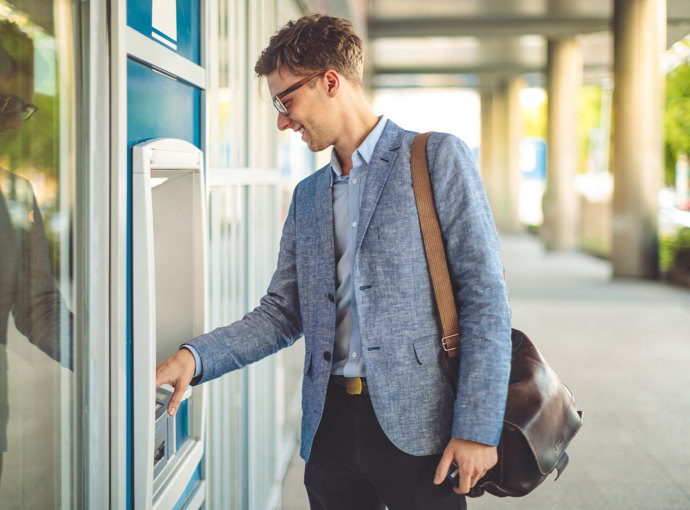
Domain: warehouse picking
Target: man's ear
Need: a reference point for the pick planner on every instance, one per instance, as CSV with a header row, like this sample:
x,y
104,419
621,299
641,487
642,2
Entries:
x,y
332,79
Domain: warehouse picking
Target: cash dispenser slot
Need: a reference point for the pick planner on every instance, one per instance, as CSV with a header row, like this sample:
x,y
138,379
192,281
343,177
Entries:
x,y
166,430
168,297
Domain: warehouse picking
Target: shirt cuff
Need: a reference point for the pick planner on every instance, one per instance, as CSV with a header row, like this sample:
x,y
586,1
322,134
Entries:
x,y
197,359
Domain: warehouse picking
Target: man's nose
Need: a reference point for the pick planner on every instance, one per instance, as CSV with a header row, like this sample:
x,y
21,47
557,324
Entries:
x,y
284,122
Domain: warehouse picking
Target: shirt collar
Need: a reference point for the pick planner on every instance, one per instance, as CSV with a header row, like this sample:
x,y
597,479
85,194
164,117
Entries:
x,y
365,150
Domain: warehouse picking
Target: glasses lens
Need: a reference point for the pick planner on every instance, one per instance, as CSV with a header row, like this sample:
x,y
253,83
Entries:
x,y
279,105
29,111
10,105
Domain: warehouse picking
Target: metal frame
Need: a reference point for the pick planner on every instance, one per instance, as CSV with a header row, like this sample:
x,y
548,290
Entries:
x,y
142,48
118,256
94,360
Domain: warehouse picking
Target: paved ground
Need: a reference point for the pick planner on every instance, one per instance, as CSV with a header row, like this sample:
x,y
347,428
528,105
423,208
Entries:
x,y
623,347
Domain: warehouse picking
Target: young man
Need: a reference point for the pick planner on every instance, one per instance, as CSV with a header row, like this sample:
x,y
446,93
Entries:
x,y
380,425
28,291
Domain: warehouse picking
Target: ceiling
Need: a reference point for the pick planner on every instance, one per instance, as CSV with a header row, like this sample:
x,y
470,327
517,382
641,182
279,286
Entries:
x,y
480,42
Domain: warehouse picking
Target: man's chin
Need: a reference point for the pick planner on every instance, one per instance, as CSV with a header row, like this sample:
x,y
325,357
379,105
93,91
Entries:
x,y
315,147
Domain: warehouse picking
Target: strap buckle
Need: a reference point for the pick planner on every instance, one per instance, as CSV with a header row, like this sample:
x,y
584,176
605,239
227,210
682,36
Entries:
x,y
452,345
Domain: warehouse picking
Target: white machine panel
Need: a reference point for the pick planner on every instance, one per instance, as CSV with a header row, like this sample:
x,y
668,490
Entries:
x,y
169,289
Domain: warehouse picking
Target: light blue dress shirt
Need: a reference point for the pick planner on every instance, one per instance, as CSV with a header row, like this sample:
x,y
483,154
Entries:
x,y
347,190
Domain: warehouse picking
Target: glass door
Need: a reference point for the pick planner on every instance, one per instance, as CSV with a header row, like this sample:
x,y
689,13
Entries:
x,y
39,274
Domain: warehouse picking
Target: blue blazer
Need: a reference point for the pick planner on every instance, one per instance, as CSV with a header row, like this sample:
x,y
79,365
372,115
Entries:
x,y
399,324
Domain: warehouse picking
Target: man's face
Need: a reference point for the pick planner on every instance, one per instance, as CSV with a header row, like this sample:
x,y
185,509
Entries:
x,y
17,86
307,111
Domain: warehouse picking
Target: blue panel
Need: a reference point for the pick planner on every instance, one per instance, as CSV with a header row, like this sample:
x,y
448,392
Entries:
x,y
182,424
184,40
157,106
160,106
191,488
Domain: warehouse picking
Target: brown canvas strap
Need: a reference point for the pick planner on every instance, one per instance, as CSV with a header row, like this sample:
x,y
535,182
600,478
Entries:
x,y
433,246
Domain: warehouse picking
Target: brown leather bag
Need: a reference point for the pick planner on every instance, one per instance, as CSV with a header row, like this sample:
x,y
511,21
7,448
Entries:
x,y
541,417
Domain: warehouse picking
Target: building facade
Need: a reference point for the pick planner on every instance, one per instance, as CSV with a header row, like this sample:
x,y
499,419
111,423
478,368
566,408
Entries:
x,y
83,86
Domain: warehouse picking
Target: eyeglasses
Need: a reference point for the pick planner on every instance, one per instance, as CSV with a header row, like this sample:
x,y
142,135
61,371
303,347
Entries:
x,y
11,105
277,100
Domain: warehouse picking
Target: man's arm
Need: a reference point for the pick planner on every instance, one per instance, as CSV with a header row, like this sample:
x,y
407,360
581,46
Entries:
x,y
276,323
475,267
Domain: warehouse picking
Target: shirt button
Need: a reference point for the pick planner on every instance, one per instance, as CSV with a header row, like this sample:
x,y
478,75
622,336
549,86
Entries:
x,y
354,354
354,181
327,356
354,224
330,297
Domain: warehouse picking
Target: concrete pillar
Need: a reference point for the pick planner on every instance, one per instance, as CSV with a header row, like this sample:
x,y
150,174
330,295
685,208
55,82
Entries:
x,y
638,105
498,149
508,212
486,155
560,204
501,130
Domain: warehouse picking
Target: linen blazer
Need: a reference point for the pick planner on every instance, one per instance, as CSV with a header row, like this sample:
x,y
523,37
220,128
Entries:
x,y
399,324
27,287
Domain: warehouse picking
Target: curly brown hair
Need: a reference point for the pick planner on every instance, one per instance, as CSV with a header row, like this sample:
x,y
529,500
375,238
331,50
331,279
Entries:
x,y
16,51
314,43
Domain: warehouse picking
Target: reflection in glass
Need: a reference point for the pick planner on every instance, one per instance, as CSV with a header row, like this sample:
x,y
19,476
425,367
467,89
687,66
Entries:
x,y
36,354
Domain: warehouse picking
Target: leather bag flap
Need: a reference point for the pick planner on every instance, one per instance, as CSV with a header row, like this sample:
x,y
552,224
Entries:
x,y
540,405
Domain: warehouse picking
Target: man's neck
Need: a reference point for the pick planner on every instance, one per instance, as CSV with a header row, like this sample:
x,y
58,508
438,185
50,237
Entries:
x,y
359,127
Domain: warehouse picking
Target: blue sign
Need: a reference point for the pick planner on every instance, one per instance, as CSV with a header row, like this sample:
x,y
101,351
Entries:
x,y
172,23
533,158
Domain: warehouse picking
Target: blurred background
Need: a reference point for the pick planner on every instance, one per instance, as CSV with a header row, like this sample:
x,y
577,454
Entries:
x,y
578,114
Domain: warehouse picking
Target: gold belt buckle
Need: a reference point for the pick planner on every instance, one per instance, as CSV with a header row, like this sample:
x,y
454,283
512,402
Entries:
x,y
353,385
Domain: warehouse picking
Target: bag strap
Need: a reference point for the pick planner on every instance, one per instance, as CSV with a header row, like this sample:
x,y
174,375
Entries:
x,y
435,254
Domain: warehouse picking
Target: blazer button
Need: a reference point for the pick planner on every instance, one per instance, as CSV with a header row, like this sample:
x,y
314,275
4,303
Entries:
x,y
327,356
330,297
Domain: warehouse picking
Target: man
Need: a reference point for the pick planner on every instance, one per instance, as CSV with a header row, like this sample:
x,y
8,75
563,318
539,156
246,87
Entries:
x,y
380,425
27,288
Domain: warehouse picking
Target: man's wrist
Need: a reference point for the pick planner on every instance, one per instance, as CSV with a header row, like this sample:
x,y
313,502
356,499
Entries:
x,y
197,359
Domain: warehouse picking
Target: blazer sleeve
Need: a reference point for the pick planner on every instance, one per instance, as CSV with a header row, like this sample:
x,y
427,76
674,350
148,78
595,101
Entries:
x,y
476,271
276,323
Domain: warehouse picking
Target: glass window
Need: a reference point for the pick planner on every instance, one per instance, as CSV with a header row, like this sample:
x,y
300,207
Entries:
x,y
37,83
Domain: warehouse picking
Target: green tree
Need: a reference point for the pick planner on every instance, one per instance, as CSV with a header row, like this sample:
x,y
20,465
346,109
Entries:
x,y
588,117
677,117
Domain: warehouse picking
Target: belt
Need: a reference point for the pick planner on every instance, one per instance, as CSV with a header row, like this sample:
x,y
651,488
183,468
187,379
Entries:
x,y
352,385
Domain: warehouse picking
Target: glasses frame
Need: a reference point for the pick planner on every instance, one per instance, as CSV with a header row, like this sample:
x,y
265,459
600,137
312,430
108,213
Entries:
x,y
277,99
27,110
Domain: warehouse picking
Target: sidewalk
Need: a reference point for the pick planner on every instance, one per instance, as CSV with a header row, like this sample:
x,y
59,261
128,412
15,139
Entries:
x,y
623,348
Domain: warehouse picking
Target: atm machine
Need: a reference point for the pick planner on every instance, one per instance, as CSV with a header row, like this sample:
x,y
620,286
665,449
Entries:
x,y
168,298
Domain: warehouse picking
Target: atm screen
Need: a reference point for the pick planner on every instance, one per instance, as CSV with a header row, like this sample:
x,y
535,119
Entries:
x,y
174,238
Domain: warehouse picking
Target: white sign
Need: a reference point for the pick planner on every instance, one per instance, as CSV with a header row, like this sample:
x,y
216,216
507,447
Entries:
x,y
164,20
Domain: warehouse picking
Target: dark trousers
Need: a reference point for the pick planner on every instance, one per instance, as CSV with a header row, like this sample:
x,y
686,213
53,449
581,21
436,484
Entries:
x,y
354,466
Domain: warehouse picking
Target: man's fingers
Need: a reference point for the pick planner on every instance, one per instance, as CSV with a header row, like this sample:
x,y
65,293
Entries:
x,y
443,467
469,477
175,400
161,375
177,371
465,482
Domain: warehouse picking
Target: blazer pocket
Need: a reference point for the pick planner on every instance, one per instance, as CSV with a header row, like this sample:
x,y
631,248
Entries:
x,y
427,349
307,363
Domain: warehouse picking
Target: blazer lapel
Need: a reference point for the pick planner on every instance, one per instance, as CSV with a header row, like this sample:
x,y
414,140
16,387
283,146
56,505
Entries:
x,y
379,168
323,206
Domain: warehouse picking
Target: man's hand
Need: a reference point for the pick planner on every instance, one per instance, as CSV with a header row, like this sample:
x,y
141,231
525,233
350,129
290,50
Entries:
x,y
177,371
473,460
